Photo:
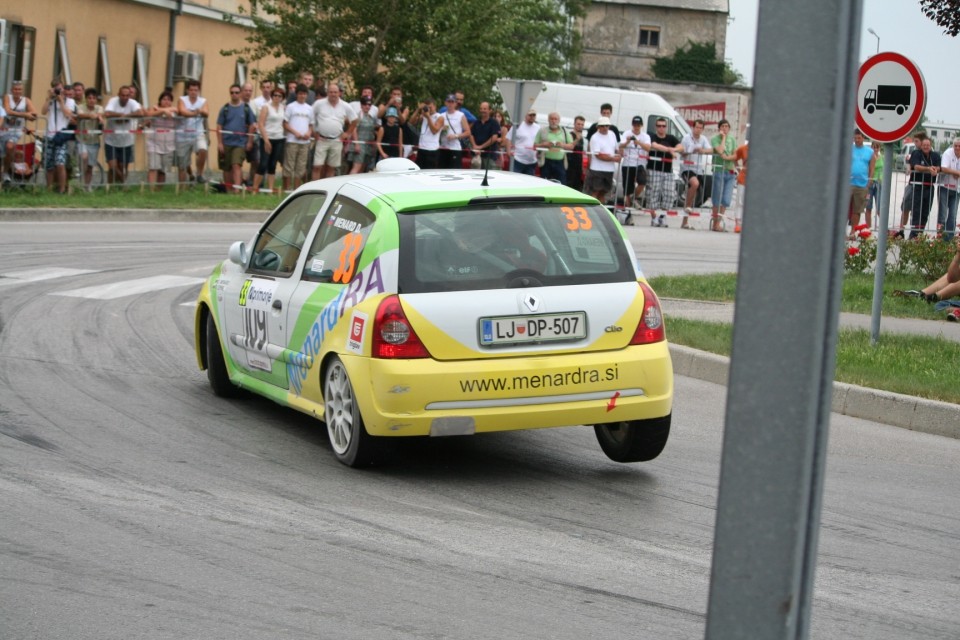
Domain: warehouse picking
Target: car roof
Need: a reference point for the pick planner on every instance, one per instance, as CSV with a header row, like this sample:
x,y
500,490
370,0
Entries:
x,y
412,190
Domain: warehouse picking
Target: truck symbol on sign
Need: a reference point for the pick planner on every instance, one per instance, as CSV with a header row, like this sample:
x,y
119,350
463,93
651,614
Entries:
x,y
889,97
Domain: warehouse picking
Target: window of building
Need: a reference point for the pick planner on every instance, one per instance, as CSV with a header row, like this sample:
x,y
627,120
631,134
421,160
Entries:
x,y
16,56
103,84
61,60
933,133
141,64
649,37
240,77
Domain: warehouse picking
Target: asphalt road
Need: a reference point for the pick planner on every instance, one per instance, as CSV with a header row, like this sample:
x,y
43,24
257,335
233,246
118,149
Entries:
x,y
135,504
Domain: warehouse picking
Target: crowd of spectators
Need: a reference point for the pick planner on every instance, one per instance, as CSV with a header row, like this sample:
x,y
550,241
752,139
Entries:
x,y
308,130
929,175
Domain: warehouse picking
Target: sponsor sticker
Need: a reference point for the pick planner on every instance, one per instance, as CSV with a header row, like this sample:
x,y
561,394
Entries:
x,y
257,294
358,330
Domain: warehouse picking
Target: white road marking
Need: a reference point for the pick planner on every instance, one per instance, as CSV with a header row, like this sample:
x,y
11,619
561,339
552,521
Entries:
x,y
36,275
130,287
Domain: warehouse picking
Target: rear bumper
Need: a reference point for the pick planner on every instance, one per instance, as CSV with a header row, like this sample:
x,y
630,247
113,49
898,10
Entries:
x,y
429,397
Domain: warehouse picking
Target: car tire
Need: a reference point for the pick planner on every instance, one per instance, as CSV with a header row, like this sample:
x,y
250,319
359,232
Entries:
x,y
633,440
351,443
216,365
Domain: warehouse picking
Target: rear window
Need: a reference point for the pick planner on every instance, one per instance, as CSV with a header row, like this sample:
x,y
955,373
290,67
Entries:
x,y
510,245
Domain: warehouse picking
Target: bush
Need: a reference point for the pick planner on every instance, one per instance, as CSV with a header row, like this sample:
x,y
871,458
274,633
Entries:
x,y
923,256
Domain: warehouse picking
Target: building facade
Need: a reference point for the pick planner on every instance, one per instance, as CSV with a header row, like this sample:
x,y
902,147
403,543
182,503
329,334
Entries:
x,y
622,38
109,43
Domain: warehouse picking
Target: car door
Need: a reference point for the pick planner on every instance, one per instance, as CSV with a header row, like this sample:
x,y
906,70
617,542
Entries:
x,y
339,273
256,305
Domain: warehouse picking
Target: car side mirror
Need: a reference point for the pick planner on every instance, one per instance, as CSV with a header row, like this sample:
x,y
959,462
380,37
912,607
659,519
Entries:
x,y
238,253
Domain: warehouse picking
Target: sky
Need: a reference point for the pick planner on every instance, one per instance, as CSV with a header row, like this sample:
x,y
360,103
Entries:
x,y
902,28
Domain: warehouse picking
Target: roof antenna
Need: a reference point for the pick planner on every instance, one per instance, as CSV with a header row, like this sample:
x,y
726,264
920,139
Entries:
x,y
486,169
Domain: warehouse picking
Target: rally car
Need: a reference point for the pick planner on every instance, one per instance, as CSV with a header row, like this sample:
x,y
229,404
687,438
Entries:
x,y
441,303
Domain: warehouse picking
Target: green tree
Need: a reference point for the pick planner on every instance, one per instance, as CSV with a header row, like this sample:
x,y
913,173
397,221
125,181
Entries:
x,y
430,48
945,13
696,62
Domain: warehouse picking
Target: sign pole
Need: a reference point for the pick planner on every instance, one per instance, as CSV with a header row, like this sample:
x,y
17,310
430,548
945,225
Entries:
x,y
880,267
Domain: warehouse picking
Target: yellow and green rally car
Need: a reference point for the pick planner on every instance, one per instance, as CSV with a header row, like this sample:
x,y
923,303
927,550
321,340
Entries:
x,y
441,303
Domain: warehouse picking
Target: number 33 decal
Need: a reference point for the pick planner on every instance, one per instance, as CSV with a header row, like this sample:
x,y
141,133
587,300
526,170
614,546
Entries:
x,y
577,218
352,243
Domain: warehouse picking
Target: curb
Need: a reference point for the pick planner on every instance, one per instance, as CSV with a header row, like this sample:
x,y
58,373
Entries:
x,y
133,215
916,414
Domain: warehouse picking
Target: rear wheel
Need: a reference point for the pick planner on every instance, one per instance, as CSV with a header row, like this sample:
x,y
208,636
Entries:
x,y
216,366
633,440
351,443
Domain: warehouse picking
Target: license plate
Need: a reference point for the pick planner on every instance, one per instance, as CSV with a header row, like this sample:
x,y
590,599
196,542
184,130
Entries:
x,y
542,328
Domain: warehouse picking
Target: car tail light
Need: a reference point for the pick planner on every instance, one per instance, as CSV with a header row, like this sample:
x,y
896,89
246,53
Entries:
x,y
650,328
393,337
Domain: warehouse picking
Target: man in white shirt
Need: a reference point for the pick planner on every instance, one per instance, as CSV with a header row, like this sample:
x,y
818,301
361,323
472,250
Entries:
x,y
60,112
118,141
191,131
524,140
695,144
429,123
635,149
333,123
604,156
947,196
454,128
298,123
266,88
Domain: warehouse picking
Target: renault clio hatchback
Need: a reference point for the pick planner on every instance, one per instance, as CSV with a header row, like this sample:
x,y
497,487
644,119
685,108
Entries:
x,y
441,303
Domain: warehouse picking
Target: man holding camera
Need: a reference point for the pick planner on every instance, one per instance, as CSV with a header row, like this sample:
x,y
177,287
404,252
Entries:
x,y
428,124
61,117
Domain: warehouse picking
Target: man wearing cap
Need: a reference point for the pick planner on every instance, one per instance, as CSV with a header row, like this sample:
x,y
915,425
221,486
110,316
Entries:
x,y
604,156
635,149
462,109
524,140
454,128
333,123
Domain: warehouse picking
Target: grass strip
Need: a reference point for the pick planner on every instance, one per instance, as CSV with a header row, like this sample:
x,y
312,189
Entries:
x,y
918,366
133,197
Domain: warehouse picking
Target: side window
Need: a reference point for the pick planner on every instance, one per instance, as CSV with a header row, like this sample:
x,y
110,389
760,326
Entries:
x,y
278,247
336,250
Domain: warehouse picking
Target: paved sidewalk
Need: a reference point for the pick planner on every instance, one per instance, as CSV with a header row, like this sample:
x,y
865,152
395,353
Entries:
x,y
917,414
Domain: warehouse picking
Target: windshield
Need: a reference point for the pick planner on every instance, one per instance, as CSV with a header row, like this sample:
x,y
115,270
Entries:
x,y
510,245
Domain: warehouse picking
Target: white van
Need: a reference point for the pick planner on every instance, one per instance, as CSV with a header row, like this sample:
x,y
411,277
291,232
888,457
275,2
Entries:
x,y
571,100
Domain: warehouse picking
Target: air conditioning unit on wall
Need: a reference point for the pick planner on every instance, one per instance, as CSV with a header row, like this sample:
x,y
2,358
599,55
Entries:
x,y
187,65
